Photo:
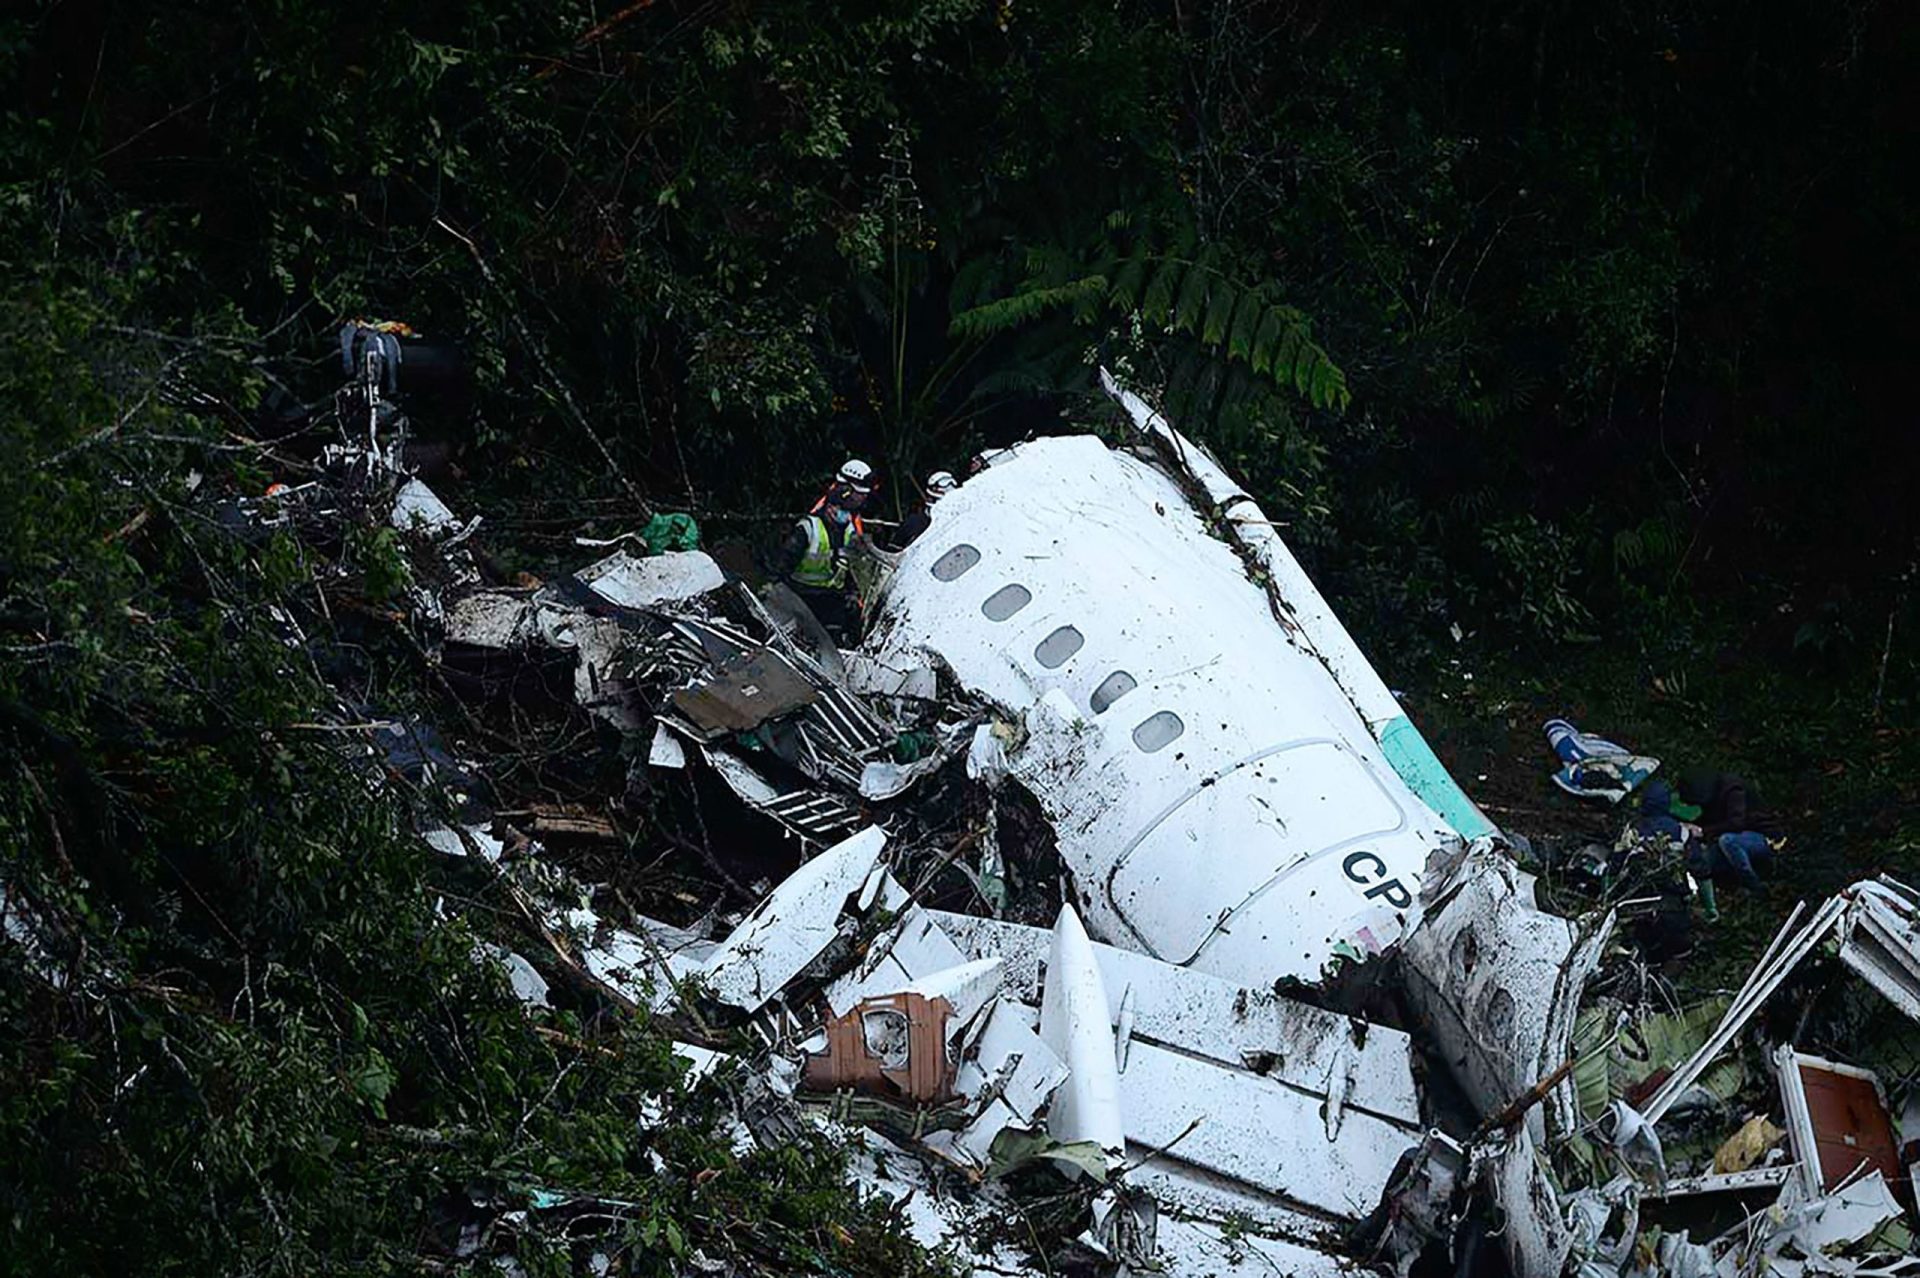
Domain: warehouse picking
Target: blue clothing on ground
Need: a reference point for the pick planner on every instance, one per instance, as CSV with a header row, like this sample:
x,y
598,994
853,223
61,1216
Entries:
x,y
1743,854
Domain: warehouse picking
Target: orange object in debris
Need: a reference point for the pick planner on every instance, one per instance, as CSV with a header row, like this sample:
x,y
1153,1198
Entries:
x,y
1850,1122
274,490
893,1046
399,328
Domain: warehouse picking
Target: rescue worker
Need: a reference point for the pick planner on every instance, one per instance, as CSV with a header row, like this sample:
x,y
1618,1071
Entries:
x,y
1729,804
938,485
850,489
812,557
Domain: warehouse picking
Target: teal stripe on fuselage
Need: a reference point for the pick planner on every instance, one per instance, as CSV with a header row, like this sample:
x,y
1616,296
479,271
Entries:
x,y
1427,777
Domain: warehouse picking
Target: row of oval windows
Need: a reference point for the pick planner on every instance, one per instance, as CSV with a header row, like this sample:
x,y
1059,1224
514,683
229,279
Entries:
x,y
1155,732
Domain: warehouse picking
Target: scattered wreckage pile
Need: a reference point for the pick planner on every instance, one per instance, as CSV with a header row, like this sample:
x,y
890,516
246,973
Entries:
x,y
1297,1010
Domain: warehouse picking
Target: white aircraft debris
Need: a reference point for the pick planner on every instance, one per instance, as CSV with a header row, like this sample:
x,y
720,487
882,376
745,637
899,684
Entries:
x,y
1111,654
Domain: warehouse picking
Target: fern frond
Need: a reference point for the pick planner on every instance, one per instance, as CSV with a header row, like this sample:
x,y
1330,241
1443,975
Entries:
x,y
1246,319
1221,297
1009,313
1129,277
1188,310
1234,331
1157,305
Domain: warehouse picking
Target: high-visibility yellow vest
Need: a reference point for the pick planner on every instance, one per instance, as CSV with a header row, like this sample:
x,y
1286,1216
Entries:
x,y
820,568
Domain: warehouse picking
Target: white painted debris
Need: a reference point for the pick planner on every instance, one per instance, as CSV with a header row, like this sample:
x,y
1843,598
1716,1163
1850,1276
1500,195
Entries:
x,y
1073,1022
746,783
528,985
917,949
871,677
417,508
792,925
1512,1173
883,779
489,619
444,839
672,576
1880,940
666,751
700,1062
1293,1043
942,1222
986,757
1497,982
1310,623
967,987
1210,1248
645,966
1846,1216
1222,1210
1215,792
1006,1060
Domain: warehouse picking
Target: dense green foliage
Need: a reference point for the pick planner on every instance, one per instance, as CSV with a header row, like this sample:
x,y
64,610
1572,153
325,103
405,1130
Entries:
x,y
245,1035
1557,326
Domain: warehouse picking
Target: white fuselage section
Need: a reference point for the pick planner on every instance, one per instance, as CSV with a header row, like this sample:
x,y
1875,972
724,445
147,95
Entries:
x,y
1216,795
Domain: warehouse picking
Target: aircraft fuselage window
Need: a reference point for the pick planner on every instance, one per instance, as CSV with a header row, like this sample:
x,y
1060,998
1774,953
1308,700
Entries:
x,y
955,563
1058,646
1111,689
1158,731
1006,601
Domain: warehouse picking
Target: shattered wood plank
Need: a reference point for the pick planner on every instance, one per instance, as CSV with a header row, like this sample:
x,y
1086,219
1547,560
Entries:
x,y
559,821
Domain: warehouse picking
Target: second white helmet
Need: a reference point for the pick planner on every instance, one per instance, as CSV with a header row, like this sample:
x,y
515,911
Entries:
x,y
856,475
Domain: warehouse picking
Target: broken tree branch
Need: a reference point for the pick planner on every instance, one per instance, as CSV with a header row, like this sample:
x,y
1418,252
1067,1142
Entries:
x,y
539,353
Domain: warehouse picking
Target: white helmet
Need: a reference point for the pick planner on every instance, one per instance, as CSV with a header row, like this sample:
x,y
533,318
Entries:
x,y
856,475
939,484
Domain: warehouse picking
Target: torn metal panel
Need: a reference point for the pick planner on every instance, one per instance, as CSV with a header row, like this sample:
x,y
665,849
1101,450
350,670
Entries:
x,y
1207,1249
916,950
416,508
673,576
461,842
1240,1125
1187,1192
644,967
490,619
872,677
790,928
812,814
1820,1227
1214,791
665,750
1497,981
1008,1070
1880,940
1293,1043
528,985
967,1226
1514,1176
743,694
715,642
